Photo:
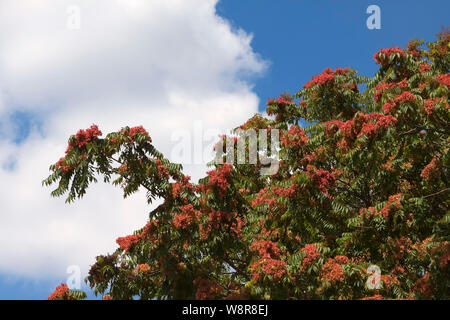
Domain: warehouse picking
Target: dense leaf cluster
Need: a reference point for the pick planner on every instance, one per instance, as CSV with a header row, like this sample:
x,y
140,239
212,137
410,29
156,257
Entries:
x,y
365,183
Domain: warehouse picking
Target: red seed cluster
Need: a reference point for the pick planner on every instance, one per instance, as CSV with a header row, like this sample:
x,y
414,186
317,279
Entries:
x,y
206,289
382,56
83,137
61,292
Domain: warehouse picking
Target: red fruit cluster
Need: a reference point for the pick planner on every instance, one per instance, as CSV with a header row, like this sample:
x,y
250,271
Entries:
x,y
369,124
142,268
429,105
444,79
327,76
402,98
273,267
266,248
83,137
431,170
271,195
187,216
311,254
182,182
236,227
64,168
424,67
332,271
424,287
392,203
269,262
61,292
382,56
218,179
401,246
132,132
383,86
321,178
295,137
206,289
128,242
163,172
280,101
217,217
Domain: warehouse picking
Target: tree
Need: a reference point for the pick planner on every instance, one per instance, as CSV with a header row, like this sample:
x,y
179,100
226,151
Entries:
x,y
363,187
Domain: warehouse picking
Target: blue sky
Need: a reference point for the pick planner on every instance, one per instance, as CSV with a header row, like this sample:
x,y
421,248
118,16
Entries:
x,y
299,38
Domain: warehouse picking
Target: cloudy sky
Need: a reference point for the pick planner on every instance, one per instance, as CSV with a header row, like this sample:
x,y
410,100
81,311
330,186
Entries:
x,y
169,65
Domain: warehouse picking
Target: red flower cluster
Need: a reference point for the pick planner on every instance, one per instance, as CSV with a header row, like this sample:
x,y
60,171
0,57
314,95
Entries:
x,y
107,297
206,289
83,137
444,79
255,122
431,170
270,196
382,56
61,293
402,98
393,202
59,164
217,217
424,67
122,168
132,132
327,76
163,172
341,259
187,216
321,178
266,248
424,287
295,137
142,268
273,267
128,242
382,87
401,246
332,271
218,179
280,101
371,129
389,280
311,255
369,124
429,105
182,182
236,227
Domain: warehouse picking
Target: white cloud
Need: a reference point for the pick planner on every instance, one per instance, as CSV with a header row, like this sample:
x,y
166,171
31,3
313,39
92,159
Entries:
x,y
163,64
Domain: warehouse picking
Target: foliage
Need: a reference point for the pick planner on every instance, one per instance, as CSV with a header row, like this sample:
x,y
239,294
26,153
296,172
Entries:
x,y
365,183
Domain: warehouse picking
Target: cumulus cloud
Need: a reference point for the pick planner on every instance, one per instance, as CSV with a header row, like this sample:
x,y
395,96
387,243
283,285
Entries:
x,y
163,64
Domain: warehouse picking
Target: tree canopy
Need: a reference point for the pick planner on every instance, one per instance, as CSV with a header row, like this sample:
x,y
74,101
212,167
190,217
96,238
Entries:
x,y
358,208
